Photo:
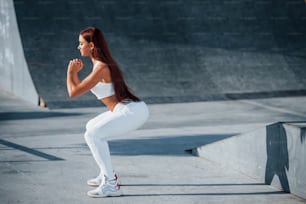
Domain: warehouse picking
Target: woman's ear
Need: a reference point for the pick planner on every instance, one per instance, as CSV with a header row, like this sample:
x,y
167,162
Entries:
x,y
92,46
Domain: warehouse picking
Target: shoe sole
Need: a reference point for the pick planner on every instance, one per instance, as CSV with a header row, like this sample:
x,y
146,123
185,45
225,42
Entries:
x,y
92,185
96,185
117,194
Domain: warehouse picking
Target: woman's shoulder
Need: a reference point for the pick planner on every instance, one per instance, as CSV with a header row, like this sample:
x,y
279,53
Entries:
x,y
99,64
102,70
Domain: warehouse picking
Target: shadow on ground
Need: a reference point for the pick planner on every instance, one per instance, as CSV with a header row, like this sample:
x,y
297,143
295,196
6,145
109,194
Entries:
x,y
33,115
163,145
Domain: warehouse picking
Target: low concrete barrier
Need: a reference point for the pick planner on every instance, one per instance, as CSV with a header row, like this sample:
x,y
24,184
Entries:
x,y
15,77
275,155
296,145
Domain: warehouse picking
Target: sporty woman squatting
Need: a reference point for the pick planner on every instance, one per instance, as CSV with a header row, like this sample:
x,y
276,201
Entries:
x,y
126,111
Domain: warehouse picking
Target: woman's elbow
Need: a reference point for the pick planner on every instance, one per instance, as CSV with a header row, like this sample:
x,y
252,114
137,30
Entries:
x,y
72,94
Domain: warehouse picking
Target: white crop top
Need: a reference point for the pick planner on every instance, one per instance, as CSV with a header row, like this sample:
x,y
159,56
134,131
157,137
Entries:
x,y
102,90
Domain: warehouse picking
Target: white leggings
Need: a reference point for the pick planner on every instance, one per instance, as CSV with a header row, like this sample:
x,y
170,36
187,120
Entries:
x,y
123,119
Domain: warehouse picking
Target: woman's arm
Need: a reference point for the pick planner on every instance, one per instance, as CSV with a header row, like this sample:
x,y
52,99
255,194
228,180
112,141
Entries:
x,y
75,86
72,82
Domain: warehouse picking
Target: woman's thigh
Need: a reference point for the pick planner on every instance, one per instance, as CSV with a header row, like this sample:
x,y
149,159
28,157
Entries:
x,y
115,124
92,122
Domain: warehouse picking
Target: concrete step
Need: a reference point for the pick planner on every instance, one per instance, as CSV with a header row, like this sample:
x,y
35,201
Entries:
x,y
274,154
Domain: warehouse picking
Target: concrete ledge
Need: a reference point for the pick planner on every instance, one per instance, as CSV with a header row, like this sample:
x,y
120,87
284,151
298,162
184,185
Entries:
x,y
296,146
274,154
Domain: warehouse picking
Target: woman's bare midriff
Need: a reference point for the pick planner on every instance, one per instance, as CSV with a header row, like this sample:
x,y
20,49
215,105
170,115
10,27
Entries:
x,y
110,102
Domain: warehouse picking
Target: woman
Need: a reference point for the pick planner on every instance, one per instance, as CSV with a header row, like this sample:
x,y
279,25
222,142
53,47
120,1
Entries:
x,y
126,111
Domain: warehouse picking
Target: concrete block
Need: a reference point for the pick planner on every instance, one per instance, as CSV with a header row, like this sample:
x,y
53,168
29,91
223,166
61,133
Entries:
x,y
296,143
274,154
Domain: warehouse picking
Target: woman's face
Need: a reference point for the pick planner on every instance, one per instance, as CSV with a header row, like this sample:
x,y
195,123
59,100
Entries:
x,y
84,46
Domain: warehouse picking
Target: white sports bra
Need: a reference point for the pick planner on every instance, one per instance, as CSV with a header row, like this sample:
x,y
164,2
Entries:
x,y
102,90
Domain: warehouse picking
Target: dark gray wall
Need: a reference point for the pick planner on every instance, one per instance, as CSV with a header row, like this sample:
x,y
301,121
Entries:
x,y
172,51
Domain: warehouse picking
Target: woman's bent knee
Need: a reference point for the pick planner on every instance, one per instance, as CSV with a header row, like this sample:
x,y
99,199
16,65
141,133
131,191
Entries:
x,y
89,125
94,134
89,136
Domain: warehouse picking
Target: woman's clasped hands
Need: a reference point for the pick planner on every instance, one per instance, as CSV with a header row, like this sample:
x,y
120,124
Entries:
x,y
75,65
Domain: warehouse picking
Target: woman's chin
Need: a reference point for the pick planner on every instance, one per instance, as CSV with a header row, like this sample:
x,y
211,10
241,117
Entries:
x,y
83,55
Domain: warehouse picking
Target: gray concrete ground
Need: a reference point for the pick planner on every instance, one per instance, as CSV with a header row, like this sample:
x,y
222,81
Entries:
x,y
44,158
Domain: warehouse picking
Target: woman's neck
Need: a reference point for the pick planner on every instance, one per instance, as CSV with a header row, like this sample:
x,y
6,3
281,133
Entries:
x,y
93,60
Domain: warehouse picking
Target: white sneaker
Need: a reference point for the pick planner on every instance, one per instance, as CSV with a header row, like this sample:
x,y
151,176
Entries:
x,y
98,181
108,189
95,181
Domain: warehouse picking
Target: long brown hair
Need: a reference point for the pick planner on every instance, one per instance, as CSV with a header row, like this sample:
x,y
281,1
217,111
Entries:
x,y
102,53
